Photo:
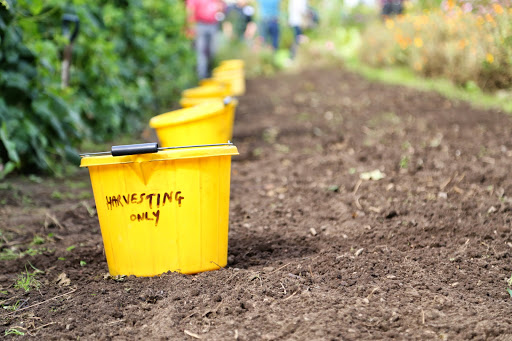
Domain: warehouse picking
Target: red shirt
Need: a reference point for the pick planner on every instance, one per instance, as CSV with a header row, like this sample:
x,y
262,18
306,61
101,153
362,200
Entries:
x,y
205,11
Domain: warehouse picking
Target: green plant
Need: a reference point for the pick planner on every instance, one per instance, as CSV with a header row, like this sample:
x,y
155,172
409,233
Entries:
x,y
8,254
130,61
13,307
37,240
404,162
13,331
27,280
57,195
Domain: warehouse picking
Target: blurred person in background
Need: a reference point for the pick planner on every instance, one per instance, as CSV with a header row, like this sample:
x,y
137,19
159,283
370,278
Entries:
x,y
391,7
269,12
203,17
297,16
239,22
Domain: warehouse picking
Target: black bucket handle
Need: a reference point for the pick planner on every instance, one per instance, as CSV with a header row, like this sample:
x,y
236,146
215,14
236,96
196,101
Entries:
x,y
131,149
146,148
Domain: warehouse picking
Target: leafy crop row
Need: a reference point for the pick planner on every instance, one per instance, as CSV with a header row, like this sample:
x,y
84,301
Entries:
x,y
130,60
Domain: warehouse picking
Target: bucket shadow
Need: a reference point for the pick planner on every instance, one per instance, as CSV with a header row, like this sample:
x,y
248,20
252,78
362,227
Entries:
x,y
247,250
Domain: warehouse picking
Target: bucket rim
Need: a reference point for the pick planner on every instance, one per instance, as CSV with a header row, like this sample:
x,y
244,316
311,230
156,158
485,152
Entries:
x,y
163,154
187,102
206,90
208,108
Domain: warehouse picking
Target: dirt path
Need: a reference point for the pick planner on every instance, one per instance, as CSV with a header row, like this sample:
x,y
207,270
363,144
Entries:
x,y
315,252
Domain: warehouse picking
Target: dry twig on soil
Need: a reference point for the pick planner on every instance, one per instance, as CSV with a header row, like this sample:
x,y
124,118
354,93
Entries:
x,y
50,299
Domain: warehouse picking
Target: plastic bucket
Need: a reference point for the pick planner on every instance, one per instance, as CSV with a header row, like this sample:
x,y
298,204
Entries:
x,y
216,82
230,105
230,108
163,209
187,102
205,123
235,78
233,63
210,90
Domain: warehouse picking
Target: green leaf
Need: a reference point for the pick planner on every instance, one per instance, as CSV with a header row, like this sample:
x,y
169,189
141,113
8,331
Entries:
x,y
3,25
6,4
3,109
37,6
6,169
8,144
42,107
14,80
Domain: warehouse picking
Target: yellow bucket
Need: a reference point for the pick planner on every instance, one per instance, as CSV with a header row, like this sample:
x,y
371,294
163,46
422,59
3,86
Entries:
x,y
210,90
233,63
205,123
216,82
235,78
230,105
187,102
162,209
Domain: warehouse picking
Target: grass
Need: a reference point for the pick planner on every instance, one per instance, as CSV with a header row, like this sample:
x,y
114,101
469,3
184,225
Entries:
x,y
14,331
401,75
8,254
38,240
338,46
13,307
404,76
404,162
27,280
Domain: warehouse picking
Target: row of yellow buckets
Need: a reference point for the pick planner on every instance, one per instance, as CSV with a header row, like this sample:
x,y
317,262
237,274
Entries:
x,y
165,207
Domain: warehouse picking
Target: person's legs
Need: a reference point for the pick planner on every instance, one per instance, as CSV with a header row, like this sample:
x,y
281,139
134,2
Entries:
x,y
397,7
387,9
264,31
273,29
296,33
205,48
212,46
201,50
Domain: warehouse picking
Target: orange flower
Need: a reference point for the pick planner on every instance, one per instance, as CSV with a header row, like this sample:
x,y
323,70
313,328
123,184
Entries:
x,y
489,58
390,24
489,18
497,8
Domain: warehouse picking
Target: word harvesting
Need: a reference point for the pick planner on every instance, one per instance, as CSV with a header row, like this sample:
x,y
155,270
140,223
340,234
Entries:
x,y
152,200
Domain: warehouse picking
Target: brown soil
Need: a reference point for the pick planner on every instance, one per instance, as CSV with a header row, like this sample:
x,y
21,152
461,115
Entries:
x,y
315,253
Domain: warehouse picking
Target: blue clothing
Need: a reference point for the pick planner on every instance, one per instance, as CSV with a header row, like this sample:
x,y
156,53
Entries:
x,y
270,28
269,9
